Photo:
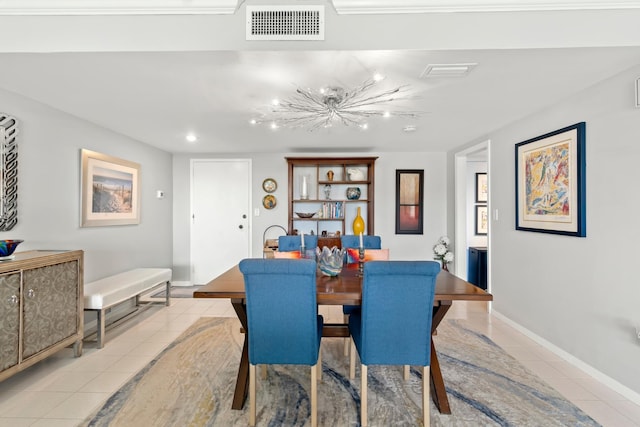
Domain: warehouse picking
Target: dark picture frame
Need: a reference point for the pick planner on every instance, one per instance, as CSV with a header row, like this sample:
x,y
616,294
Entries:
x,y
551,182
409,201
482,220
482,193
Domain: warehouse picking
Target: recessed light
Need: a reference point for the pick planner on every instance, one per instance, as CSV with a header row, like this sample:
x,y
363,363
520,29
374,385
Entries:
x,y
191,137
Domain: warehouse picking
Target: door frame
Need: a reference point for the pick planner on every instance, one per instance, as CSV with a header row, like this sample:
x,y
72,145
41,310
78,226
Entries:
x,y
191,201
461,196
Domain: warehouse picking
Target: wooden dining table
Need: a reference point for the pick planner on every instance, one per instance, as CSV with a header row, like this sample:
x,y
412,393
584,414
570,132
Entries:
x,y
344,289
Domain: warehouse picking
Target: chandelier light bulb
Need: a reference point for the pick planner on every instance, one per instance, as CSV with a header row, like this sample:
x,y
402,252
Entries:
x,y
275,102
253,121
386,114
274,125
378,77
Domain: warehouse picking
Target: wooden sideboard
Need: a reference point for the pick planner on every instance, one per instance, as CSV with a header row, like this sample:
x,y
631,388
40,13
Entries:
x,y
41,307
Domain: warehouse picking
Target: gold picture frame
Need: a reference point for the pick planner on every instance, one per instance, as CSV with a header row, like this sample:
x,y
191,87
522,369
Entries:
x,y
110,190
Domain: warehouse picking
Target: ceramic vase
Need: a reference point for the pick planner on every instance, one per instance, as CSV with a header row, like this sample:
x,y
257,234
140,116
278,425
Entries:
x,y
358,224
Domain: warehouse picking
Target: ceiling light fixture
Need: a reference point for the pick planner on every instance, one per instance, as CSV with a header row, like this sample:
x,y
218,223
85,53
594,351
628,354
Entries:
x,y
191,137
351,107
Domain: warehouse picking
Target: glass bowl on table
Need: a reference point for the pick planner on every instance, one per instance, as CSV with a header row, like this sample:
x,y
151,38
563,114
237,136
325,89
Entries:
x,y
330,261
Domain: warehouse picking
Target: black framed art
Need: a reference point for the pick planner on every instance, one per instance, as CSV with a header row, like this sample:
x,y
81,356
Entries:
x,y
409,201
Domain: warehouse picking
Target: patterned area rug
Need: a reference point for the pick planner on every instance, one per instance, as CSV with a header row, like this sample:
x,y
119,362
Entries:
x,y
191,383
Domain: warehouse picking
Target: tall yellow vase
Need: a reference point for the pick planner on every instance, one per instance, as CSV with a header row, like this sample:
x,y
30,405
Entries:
x,y
358,224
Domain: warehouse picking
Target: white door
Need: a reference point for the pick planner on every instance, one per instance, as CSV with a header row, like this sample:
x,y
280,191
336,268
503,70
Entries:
x,y
220,237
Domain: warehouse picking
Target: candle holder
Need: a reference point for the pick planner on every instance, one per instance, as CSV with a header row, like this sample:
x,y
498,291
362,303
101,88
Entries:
x,y
361,262
303,252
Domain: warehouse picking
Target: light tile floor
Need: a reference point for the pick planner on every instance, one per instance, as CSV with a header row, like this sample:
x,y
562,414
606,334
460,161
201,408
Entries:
x,y
62,390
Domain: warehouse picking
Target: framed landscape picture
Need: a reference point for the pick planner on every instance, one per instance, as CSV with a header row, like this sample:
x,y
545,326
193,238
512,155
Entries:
x,y
551,184
110,190
409,201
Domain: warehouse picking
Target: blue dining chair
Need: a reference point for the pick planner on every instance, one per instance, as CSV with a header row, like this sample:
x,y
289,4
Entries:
x,y
393,326
292,243
282,319
352,241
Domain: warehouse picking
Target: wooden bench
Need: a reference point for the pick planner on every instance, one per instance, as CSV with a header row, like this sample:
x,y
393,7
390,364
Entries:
x,y
105,293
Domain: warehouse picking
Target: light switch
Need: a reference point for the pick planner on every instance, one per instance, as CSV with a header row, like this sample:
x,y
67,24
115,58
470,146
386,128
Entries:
x,y
256,212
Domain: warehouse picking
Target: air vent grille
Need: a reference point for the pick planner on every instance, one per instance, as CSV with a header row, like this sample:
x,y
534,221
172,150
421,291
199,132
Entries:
x,y
285,22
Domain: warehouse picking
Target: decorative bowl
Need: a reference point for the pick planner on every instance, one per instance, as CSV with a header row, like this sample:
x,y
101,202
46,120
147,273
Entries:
x,y
8,246
353,193
330,260
305,214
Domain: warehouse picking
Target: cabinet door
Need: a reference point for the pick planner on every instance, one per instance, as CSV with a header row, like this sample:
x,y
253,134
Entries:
x,y
50,306
9,319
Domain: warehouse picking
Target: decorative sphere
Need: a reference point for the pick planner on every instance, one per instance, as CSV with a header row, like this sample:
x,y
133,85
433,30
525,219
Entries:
x,y
353,193
8,246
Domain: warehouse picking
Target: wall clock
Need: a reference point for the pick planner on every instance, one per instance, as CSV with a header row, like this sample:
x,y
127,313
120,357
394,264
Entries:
x,y
269,185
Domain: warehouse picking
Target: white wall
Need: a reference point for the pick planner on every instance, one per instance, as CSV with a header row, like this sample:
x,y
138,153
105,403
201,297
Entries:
x,y
275,166
579,294
49,191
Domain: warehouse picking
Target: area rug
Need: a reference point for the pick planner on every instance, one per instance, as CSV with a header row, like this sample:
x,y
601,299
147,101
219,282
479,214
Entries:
x,y
191,383
178,292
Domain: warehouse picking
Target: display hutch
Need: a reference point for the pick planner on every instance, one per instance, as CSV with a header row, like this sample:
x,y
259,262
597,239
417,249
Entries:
x,y
323,196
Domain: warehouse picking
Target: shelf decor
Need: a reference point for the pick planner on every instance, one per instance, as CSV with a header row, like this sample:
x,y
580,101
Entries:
x,y
409,201
358,224
551,182
110,192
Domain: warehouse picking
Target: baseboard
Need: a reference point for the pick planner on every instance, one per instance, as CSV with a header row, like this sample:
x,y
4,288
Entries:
x,y
603,378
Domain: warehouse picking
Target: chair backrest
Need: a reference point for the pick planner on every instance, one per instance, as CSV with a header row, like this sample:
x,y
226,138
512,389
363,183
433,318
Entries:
x,y
369,242
292,243
282,313
397,305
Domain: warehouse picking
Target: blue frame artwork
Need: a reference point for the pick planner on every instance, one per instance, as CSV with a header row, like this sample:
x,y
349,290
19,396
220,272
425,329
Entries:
x,y
551,182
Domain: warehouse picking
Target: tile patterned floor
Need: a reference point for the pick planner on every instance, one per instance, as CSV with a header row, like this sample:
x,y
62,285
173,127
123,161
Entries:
x,y
62,390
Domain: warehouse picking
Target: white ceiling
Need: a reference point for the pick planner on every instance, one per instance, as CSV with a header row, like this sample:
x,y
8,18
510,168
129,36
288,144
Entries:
x,y
153,84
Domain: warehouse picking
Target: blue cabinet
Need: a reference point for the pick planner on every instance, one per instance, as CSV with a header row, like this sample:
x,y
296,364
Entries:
x,y
477,267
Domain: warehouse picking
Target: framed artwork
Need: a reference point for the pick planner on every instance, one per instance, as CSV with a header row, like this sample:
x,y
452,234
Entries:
x,y
269,185
551,182
482,220
409,201
481,188
110,190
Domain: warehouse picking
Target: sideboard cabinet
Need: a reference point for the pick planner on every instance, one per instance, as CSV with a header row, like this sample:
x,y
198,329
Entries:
x,y
41,307
320,186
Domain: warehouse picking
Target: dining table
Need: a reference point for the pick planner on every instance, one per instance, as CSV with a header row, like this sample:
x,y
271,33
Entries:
x,y
343,289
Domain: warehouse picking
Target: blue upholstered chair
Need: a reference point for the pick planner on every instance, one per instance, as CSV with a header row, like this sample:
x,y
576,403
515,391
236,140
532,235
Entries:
x,y
292,243
282,319
352,241
393,326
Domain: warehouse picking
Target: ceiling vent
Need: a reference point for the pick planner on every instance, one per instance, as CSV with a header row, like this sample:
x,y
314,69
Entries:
x,y
285,22
447,70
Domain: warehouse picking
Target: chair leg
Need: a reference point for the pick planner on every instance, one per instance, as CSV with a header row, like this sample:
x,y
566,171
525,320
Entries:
x,y
405,372
320,364
426,404
314,394
346,340
263,371
352,361
363,394
252,395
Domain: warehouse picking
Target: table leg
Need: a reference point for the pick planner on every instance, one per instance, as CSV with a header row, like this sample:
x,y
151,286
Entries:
x,y
242,382
438,390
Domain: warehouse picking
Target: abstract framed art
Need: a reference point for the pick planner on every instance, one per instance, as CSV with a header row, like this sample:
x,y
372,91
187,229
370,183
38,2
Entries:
x,y
551,182
482,221
482,194
409,201
110,190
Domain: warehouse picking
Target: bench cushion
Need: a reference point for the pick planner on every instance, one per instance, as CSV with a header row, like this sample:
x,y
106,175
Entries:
x,y
119,287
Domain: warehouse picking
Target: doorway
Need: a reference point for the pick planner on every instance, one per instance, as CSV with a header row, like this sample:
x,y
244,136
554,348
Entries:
x,y
465,171
220,220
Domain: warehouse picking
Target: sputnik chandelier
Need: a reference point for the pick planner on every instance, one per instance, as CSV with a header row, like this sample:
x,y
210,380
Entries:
x,y
334,104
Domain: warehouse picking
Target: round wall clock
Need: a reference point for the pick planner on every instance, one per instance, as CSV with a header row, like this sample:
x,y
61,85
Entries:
x,y
269,185
269,201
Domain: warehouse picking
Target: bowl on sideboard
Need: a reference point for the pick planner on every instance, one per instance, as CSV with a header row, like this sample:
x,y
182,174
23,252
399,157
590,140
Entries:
x,y
7,247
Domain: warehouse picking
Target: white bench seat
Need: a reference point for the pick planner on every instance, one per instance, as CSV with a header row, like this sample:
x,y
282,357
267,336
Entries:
x,y
105,293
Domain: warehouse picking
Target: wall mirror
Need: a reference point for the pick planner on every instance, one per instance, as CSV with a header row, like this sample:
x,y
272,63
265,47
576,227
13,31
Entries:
x,y
8,172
